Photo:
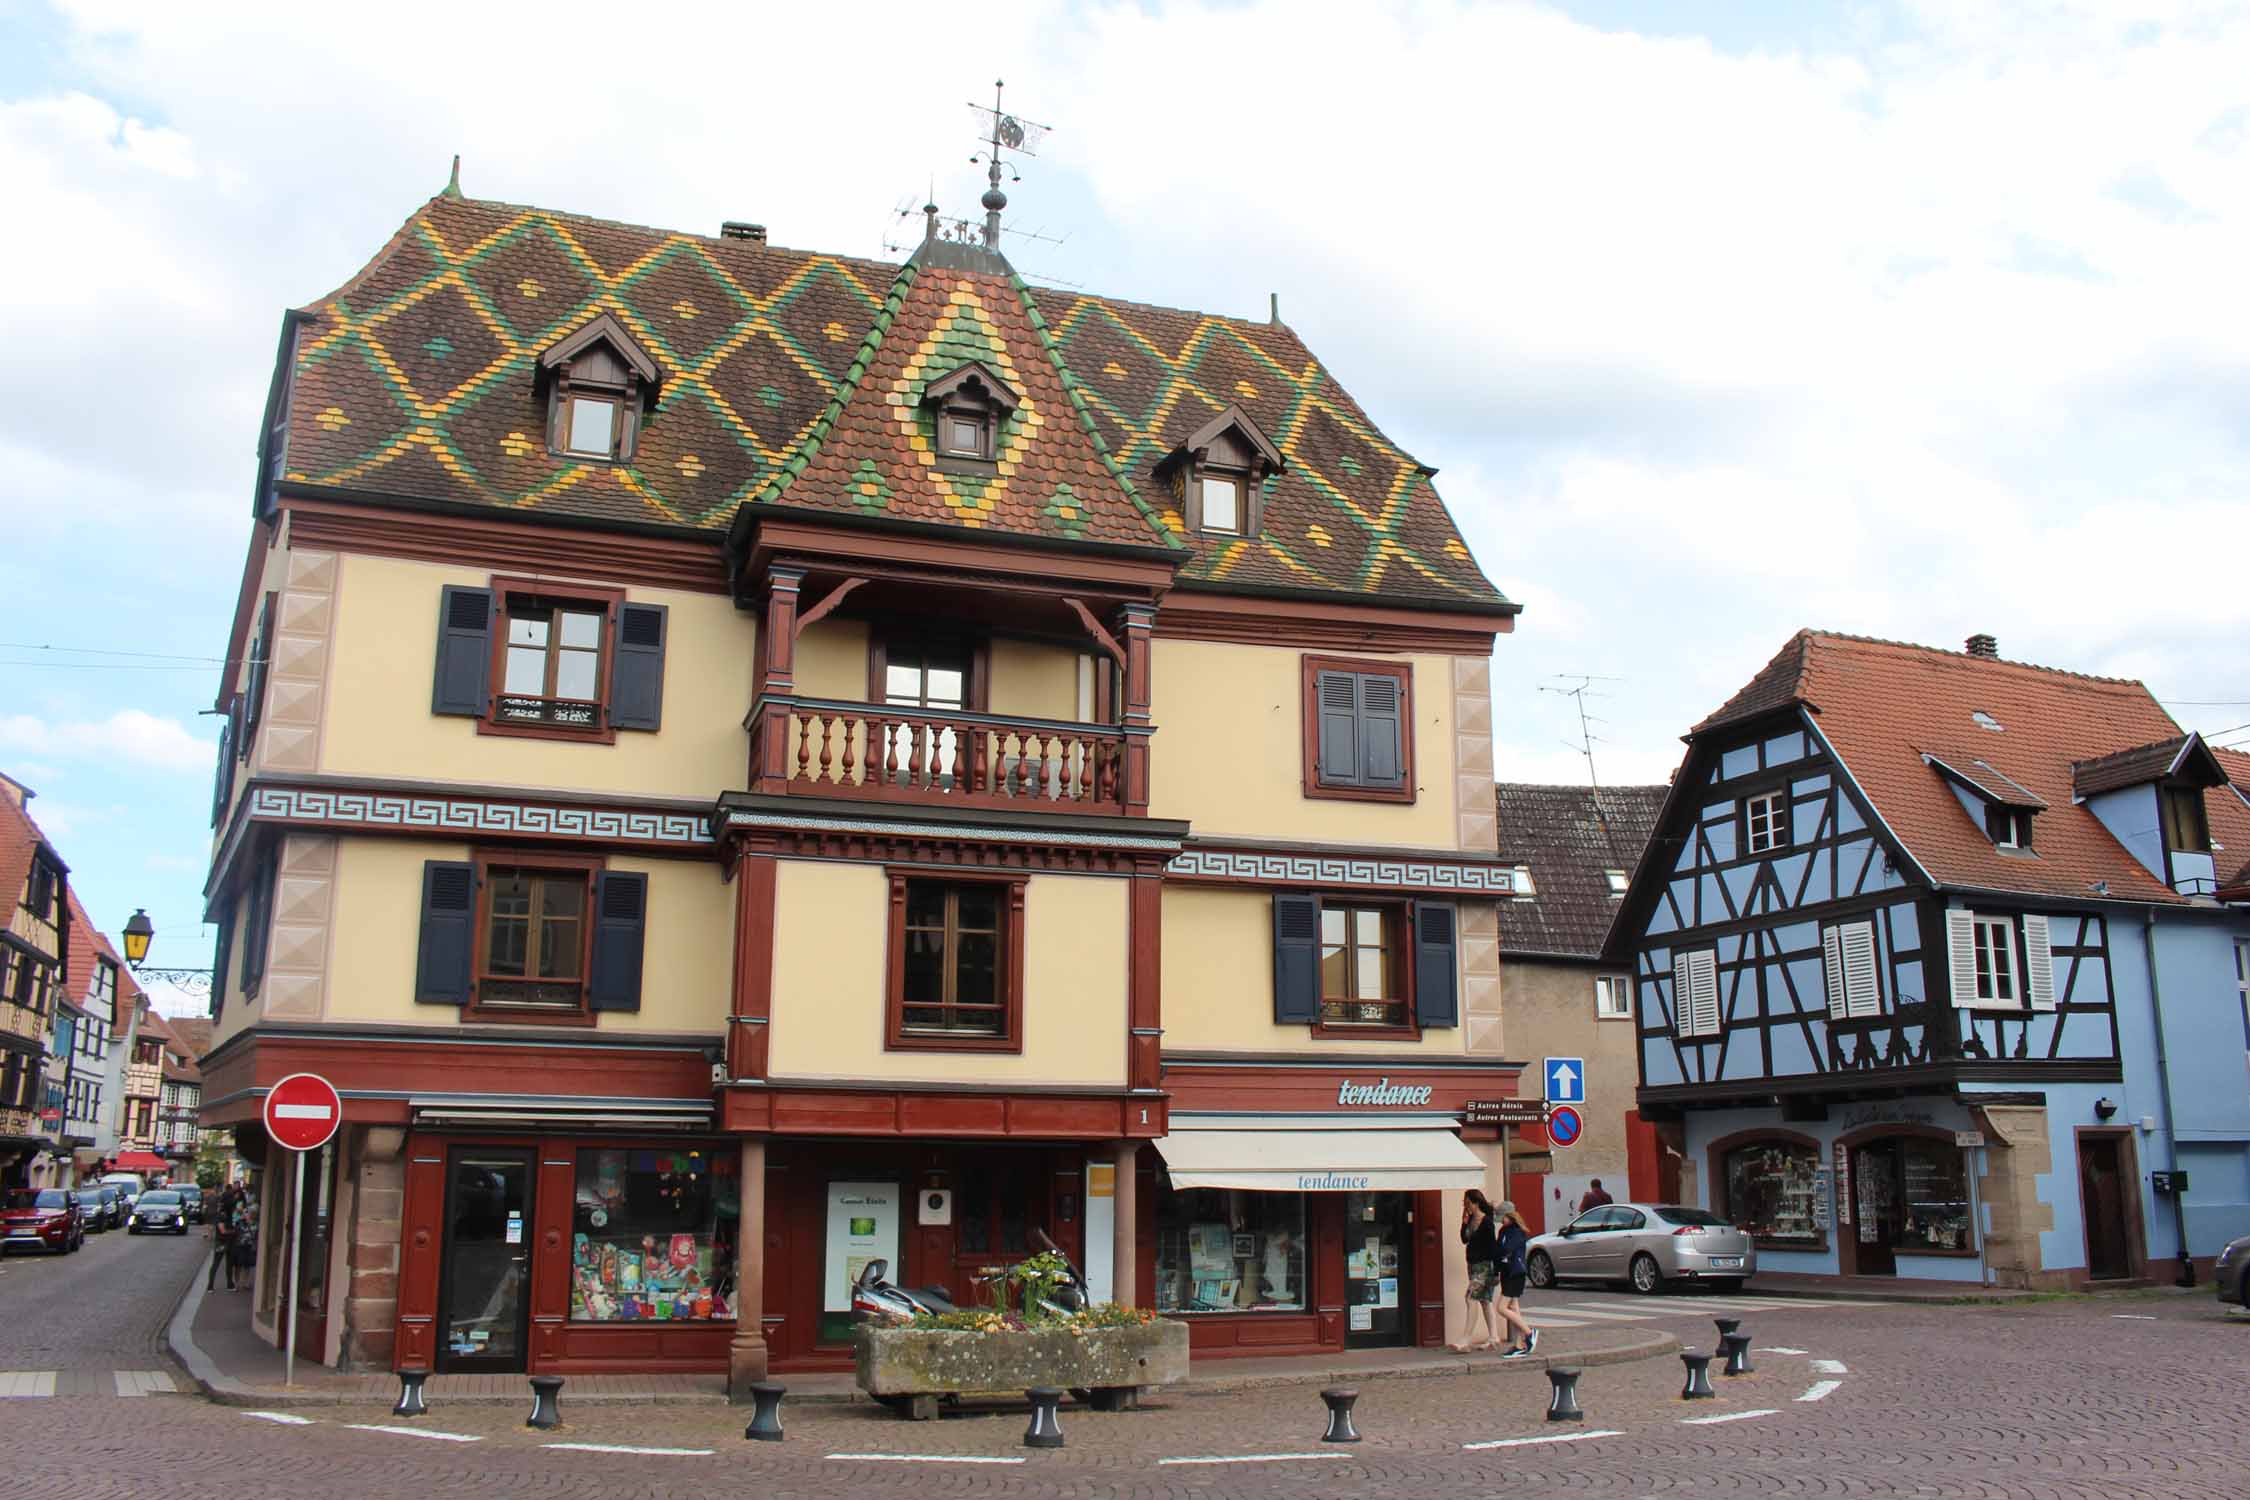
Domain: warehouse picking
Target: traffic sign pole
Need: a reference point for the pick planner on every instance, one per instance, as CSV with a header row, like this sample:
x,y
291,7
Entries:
x,y
296,1240
301,1114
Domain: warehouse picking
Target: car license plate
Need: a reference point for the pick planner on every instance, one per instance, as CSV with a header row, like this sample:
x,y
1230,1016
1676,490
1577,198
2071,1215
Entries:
x,y
1726,1262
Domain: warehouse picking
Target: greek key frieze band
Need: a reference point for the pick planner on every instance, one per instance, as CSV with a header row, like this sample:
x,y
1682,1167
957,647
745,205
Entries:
x,y
431,814
1390,872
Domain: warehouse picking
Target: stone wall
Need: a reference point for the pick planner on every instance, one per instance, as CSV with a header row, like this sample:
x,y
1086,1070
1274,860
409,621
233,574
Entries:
x,y
379,1204
2017,1152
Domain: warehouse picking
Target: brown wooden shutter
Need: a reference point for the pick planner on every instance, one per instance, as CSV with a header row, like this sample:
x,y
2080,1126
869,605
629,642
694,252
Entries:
x,y
444,967
636,679
464,653
1296,960
620,915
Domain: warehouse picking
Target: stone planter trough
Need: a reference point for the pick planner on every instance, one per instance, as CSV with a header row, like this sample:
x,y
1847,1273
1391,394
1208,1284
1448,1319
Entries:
x,y
911,1369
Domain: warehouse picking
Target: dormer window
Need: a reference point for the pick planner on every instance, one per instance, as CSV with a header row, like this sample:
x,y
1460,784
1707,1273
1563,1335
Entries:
x,y
1220,474
2008,827
2187,828
966,409
599,382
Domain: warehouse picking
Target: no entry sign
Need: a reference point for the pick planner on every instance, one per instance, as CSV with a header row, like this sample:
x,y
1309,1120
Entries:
x,y
303,1111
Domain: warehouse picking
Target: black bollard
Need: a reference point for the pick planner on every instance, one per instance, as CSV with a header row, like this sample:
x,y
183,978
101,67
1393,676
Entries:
x,y
410,1403
1736,1347
546,1410
1698,1376
765,1419
1562,1402
1044,1431
1340,1399
1727,1325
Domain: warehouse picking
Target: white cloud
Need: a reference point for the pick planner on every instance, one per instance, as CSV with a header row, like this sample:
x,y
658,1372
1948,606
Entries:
x,y
129,735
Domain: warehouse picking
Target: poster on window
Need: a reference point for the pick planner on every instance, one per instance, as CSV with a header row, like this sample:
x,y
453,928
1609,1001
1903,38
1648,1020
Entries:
x,y
863,1220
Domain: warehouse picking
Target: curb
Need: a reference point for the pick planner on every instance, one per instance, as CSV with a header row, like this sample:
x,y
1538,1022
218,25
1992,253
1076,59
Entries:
x,y
1997,1297
1640,1347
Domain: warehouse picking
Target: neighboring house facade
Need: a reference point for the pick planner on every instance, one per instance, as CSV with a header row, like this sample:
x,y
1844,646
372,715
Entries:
x,y
143,1084
1579,845
792,759
90,1071
1932,969
34,963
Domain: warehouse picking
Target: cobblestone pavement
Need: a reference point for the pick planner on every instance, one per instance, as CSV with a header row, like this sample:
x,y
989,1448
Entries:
x,y
2110,1397
84,1319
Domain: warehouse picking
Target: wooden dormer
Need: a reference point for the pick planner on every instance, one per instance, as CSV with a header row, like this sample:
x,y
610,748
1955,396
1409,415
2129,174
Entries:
x,y
599,383
1220,475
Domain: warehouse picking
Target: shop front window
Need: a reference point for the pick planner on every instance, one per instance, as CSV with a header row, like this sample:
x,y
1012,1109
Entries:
x,y
1773,1193
1229,1250
653,1235
1933,1197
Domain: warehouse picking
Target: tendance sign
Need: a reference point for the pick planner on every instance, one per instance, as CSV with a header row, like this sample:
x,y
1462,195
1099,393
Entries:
x,y
1382,1092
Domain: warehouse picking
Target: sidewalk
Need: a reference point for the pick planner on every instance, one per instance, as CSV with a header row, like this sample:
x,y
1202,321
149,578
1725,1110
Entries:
x,y
211,1335
1902,1289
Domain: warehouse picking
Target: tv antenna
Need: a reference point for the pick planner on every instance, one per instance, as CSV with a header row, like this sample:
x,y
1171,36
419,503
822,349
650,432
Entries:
x,y
1580,688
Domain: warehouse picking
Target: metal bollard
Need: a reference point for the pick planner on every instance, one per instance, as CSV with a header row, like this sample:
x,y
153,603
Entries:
x,y
1698,1376
546,1409
765,1419
1727,1325
1340,1399
1736,1347
1562,1401
1044,1431
410,1402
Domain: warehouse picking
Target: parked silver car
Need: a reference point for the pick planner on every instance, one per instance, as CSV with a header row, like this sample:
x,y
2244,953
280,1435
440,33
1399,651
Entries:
x,y
2231,1276
1646,1244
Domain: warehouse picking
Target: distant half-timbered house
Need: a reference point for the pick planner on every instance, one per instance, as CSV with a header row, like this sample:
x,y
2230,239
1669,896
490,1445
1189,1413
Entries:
x,y
1939,970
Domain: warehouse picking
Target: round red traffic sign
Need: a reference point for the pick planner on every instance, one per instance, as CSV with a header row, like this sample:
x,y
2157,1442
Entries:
x,y
302,1112
1564,1127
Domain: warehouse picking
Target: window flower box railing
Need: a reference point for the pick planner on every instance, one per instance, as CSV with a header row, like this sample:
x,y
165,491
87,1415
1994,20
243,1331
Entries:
x,y
844,749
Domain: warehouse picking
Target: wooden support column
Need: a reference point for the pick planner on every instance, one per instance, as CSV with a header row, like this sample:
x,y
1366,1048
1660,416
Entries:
x,y
751,1012
746,1356
1144,980
1124,1269
776,678
1140,626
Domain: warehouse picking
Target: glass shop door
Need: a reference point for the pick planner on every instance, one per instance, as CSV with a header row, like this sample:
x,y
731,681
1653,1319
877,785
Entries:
x,y
1378,1262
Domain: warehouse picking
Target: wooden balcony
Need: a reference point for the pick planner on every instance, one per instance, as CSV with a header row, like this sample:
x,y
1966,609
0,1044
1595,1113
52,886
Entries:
x,y
949,758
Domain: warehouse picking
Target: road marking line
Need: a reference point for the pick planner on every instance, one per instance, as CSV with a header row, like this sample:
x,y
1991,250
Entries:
x,y
1779,1349
1557,1323
622,1448
141,1382
280,1416
1829,1367
23,1383
2136,1317
1819,1390
920,1458
1582,1310
1560,1437
1252,1458
1732,1416
420,1432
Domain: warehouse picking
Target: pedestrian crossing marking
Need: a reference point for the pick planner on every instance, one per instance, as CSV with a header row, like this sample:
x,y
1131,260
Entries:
x,y
142,1382
1583,1310
15,1383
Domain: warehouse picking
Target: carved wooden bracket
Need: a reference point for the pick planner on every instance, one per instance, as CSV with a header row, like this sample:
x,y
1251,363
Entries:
x,y
828,603
1094,628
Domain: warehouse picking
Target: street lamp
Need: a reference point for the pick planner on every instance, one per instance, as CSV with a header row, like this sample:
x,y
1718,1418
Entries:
x,y
139,930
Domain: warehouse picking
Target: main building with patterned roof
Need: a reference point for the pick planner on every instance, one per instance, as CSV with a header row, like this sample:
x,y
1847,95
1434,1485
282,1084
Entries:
x,y
745,760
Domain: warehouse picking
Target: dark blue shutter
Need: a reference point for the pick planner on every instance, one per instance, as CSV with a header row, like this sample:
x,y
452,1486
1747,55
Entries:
x,y
464,652
620,918
1296,960
260,651
1379,737
1339,727
1437,999
636,680
221,953
222,779
444,966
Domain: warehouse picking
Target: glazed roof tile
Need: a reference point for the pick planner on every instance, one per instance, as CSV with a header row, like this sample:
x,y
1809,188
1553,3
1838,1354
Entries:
x,y
784,374
1571,837
1879,703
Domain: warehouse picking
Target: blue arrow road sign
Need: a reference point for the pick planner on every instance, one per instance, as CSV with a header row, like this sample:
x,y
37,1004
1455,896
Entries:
x,y
1566,1080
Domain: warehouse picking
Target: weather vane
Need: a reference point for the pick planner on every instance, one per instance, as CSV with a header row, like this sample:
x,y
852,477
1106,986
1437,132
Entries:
x,y
1006,133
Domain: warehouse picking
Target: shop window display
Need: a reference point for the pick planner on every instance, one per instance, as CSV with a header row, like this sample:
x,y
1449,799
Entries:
x,y
1773,1193
1933,1198
1227,1250
653,1235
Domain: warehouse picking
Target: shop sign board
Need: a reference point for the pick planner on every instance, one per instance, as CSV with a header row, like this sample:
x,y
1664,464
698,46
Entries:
x,y
1564,1126
1821,1187
1382,1092
862,1226
302,1112
1968,1138
1566,1080
1503,1112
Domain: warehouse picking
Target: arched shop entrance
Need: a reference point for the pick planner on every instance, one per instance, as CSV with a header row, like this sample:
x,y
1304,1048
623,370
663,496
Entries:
x,y
1904,1194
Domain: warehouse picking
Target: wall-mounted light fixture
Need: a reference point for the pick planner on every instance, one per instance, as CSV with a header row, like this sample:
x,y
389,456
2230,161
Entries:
x,y
2104,1107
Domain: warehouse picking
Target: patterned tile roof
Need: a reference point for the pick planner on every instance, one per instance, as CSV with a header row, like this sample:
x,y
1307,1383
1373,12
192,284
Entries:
x,y
783,378
1884,704
1570,836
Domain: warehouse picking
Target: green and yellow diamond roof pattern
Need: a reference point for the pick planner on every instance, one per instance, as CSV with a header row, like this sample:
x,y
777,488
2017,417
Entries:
x,y
795,378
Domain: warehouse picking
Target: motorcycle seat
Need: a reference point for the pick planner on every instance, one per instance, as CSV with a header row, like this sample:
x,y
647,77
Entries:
x,y
936,1296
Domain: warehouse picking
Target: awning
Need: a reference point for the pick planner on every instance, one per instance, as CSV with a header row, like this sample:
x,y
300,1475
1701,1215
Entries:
x,y
140,1161
1321,1161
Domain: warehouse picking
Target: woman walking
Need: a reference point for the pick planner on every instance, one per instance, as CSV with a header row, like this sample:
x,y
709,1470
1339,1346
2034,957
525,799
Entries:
x,y
1512,1239
1482,1241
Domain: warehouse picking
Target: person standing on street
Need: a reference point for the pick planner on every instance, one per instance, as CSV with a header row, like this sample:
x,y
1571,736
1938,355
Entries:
x,y
1513,1240
222,1244
1595,1197
1479,1235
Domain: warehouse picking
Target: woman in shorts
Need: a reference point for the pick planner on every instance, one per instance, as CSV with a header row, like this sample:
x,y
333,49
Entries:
x,y
1512,1239
1478,1234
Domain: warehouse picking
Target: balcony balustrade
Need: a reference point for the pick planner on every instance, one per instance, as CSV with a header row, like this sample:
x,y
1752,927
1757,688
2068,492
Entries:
x,y
951,757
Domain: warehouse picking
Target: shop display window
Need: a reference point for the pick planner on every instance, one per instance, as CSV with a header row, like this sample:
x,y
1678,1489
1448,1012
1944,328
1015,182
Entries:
x,y
1933,1200
1773,1194
1229,1250
653,1235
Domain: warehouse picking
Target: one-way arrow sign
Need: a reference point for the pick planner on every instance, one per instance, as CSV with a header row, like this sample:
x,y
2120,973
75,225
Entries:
x,y
1566,1080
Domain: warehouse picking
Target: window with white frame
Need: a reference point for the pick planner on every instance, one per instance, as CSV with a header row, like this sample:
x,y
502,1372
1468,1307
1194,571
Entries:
x,y
1995,959
1695,993
1765,822
1613,996
2242,983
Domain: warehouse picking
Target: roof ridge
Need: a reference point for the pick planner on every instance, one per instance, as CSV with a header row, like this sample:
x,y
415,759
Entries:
x,y
686,234
846,389
1948,654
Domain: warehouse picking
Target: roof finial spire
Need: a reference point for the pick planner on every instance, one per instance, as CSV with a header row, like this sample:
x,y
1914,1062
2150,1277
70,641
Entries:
x,y
453,183
994,199
929,215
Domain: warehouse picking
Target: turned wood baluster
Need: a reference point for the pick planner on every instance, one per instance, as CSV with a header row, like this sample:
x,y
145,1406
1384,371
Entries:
x,y
851,726
804,746
979,768
916,763
1040,773
827,732
890,751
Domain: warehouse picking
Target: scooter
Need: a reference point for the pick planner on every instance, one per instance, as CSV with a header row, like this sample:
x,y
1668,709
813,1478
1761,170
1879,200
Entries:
x,y
876,1300
1071,1296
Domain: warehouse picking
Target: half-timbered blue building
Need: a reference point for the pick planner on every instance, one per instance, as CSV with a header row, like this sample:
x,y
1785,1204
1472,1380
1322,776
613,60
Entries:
x,y
1940,967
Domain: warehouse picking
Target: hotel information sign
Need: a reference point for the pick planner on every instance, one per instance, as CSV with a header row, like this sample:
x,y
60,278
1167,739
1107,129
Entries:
x,y
1503,1112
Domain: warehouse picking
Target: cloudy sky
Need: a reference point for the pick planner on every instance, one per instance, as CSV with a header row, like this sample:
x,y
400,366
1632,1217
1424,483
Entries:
x,y
1717,319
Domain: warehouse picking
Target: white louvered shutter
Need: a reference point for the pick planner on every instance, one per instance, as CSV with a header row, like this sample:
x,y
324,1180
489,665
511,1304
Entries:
x,y
1695,1002
2039,963
1865,994
1961,953
1832,955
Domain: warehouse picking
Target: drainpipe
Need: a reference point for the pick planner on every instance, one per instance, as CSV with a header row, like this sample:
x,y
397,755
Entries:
x,y
2164,1089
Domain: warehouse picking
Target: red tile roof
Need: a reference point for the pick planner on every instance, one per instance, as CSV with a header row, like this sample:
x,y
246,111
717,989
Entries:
x,y
87,946
19,836
1884,705
2229,807
1570,836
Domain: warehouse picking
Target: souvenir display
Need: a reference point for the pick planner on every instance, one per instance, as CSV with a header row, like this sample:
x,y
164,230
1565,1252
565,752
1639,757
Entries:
x,y
650,1242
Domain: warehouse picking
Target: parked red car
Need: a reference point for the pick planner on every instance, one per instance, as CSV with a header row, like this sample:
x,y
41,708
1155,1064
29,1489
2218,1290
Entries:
x,y
41,1219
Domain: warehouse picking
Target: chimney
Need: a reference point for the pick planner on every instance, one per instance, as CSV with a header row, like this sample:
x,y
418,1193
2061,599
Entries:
x,y
1983,645
736,229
